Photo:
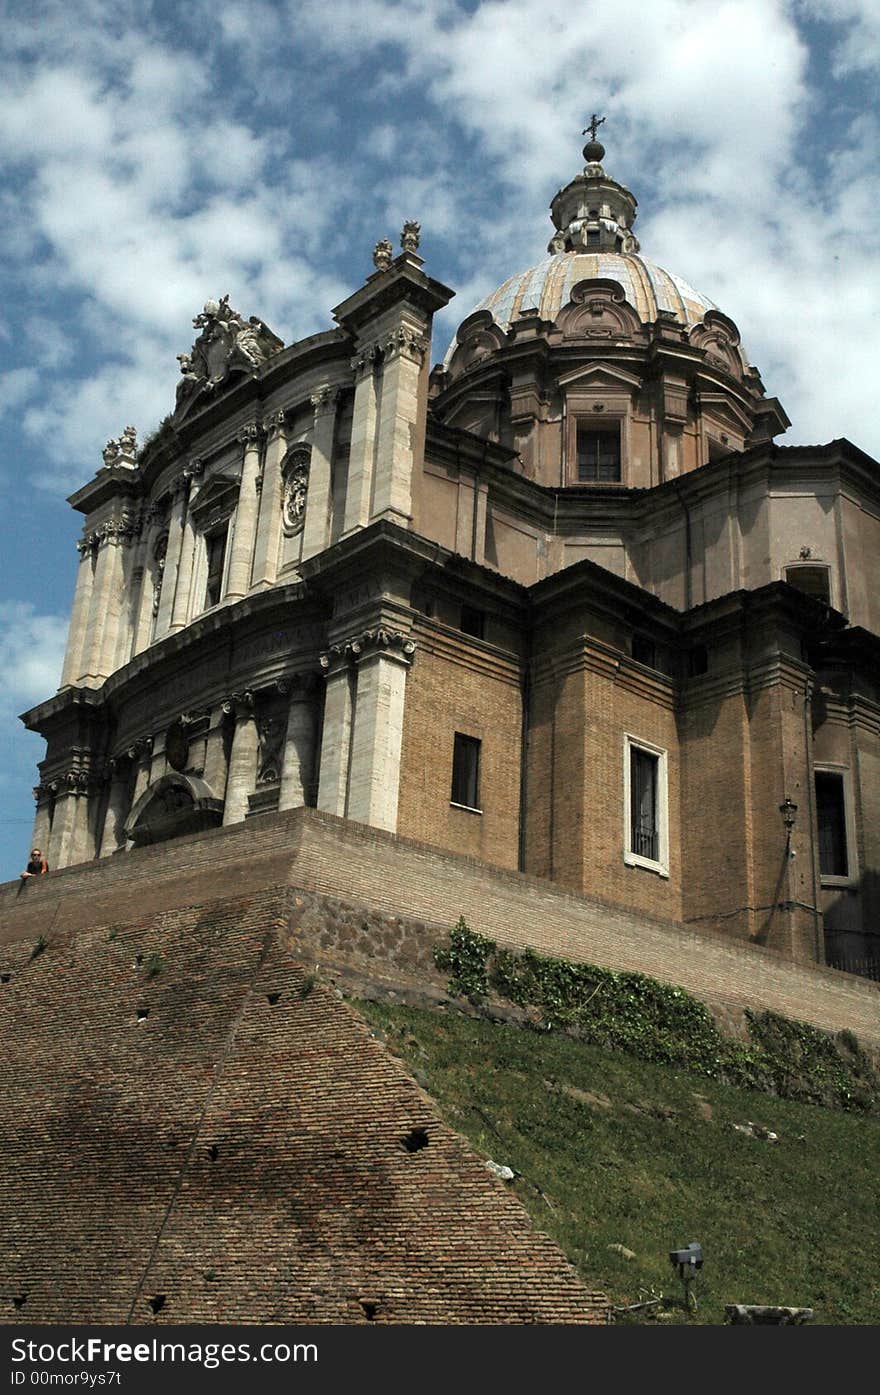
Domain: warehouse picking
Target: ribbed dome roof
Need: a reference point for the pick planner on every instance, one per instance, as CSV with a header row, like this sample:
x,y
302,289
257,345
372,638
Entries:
x,y
547,288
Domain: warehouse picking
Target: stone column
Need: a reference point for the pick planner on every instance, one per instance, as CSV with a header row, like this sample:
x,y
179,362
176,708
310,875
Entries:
x,y
143,624
78,632
336,738
142,752
403,369
242,778
106,600
316,534
216,764
186,556
72,837
298,759
176,525
113,834
245,526
382,658
358,494
269,491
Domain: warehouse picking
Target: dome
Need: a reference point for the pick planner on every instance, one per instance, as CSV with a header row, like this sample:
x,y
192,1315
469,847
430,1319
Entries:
x,y
547,288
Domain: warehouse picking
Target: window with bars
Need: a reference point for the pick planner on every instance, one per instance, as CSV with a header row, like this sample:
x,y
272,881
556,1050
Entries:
x,y
598,454
466,771
645,806
644,832
831,818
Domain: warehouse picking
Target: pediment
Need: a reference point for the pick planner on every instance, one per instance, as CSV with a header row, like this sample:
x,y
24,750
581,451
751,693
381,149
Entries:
x,y
718,337
598,309
216,498
478,336
600,377
724,410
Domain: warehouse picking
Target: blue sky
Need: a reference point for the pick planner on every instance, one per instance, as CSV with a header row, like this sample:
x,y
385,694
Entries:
x,y
159,155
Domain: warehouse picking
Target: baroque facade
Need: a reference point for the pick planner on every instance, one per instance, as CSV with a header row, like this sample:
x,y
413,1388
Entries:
x,y
561,603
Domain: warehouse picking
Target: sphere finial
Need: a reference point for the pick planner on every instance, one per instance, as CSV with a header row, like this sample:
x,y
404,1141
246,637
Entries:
x,y
594,150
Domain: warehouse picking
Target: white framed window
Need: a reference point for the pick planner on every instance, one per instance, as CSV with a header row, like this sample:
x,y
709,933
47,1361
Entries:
x,y
836,826
466,772
645,805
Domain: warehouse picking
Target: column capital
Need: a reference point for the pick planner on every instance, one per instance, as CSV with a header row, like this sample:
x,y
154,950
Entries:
x,y
275,423
365,360
369,644
407,343
323,399
249,435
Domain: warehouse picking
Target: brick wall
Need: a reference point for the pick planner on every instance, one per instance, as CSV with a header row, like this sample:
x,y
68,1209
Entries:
x,y
459,687
407,880
190,1124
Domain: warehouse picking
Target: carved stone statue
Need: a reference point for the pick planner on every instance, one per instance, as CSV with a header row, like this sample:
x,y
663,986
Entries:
x,y
226,344
410,236
383,255
122,450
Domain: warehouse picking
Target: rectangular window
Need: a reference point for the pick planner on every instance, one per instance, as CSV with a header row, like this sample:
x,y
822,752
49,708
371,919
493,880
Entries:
x,y
646,819
215,545
644,833
831,818
598,454
643,651
472,621
466,771
813,581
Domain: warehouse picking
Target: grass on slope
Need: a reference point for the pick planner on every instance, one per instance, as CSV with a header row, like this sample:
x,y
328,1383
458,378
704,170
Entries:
x,y
616,1151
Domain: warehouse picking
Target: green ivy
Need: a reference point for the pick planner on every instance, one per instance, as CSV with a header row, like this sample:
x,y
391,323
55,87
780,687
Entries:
x,y
659,1022
465,959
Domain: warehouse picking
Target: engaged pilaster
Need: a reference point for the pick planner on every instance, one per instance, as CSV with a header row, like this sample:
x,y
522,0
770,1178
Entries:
x,y
174,548
404,393
362,455
336,737
382,658
269,524
245,525
316,534
242,777
298,759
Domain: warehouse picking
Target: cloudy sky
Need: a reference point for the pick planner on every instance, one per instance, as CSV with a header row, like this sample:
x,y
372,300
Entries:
x,y
159,154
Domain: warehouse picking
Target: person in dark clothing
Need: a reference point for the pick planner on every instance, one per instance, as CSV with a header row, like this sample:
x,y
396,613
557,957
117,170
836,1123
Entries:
x,y
37,865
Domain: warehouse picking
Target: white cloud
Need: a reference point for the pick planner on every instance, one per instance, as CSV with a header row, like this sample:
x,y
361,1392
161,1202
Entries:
x,y
31,653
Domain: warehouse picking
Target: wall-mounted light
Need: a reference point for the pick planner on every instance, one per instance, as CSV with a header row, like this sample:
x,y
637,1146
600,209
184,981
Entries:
x,y
788,809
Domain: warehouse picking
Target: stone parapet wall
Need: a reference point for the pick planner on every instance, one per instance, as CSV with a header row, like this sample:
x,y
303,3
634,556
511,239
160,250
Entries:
x,y
413,882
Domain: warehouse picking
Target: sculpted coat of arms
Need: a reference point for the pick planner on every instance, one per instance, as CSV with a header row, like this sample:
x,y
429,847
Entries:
x,y
226,344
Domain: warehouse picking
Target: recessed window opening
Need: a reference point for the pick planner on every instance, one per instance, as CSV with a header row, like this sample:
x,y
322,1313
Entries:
x,y
598,454
644,651
813,581
831,818
698,660
466,771
215,544
592,237
644,829
473,621
646,817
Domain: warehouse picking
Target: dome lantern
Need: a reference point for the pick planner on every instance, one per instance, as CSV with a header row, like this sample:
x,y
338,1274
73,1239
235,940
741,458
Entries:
x,y
593,213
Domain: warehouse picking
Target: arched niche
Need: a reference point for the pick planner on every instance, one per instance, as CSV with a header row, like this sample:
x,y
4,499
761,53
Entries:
x,y
175,805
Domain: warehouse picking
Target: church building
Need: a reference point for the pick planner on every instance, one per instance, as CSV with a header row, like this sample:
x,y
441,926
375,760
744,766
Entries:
x,y
559,603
